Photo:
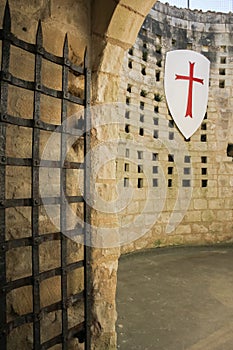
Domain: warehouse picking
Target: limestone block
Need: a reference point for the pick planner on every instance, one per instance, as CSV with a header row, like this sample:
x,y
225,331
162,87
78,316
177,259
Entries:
x,y
51,75
107,88
21,337
200,204
18,222
19,263
208,215
193,216
75,282
50,325
217,203
138,6
19,302
112,58
19,141
216,227
50,110
117,28
22,64
183,229
224,215
50,291
49,254
20,102
49,218
199,229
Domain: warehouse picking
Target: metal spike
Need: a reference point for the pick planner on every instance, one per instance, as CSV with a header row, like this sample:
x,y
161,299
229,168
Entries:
x,y
86,58
39,34
7,18
65,47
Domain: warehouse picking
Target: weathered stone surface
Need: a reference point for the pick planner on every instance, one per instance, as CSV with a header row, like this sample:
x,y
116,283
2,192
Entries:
x,y
209,214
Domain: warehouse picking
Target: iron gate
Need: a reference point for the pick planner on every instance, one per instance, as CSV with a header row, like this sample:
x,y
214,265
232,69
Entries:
x,y
34,318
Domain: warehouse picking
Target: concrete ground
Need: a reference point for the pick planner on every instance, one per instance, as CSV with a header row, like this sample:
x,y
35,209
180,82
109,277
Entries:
x,y
176,299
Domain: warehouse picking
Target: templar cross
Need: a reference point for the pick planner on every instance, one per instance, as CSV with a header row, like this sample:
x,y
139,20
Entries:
x,y
191,79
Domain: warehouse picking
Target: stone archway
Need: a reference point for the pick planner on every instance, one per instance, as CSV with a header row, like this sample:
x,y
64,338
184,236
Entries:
x,y
114,30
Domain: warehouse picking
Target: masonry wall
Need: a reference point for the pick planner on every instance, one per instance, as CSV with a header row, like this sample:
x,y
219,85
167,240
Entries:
x,y
181,190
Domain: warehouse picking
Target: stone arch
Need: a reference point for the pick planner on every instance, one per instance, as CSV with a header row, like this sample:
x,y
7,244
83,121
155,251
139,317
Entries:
x,y
114,30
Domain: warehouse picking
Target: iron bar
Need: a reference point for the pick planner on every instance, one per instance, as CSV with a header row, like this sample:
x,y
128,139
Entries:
x,y
35,193
63,211
4,98
87,204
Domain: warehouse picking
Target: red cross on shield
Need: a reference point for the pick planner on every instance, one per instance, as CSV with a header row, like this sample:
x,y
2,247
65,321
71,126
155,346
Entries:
x,y
186,84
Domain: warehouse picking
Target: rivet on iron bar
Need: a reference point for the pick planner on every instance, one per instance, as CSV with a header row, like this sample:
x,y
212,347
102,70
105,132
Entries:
x,y
40,50
2,203
4,117
6,76
37,240
67,62
3,159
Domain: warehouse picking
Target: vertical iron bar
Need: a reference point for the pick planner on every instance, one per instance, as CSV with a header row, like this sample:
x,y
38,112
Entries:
x,y
35,190
65,71
87,204
4,97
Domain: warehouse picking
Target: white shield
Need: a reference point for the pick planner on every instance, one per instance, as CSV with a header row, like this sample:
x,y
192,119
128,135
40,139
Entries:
x,y
186,83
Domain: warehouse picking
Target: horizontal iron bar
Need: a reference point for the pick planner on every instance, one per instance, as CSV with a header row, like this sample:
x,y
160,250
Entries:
x,y
42,163
19,321
29,123
26,281
76,331
34,49
27,241
16,243
75,199
15,284
57,164
20,202
27,202
29,85
28,318
57,271
16,161
72,332
52,342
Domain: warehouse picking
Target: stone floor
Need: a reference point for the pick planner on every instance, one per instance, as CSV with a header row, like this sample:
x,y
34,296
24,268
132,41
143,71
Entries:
x,y
176,299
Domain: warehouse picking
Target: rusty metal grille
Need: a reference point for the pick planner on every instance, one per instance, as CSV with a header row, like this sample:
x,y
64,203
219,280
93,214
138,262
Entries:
x,y
34,319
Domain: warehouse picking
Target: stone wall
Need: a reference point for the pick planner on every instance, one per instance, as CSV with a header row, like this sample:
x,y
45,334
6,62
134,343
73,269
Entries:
x,y
209,216
187,184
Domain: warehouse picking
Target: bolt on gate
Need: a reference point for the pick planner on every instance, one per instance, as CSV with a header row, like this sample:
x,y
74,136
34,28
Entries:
x,y
44,272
